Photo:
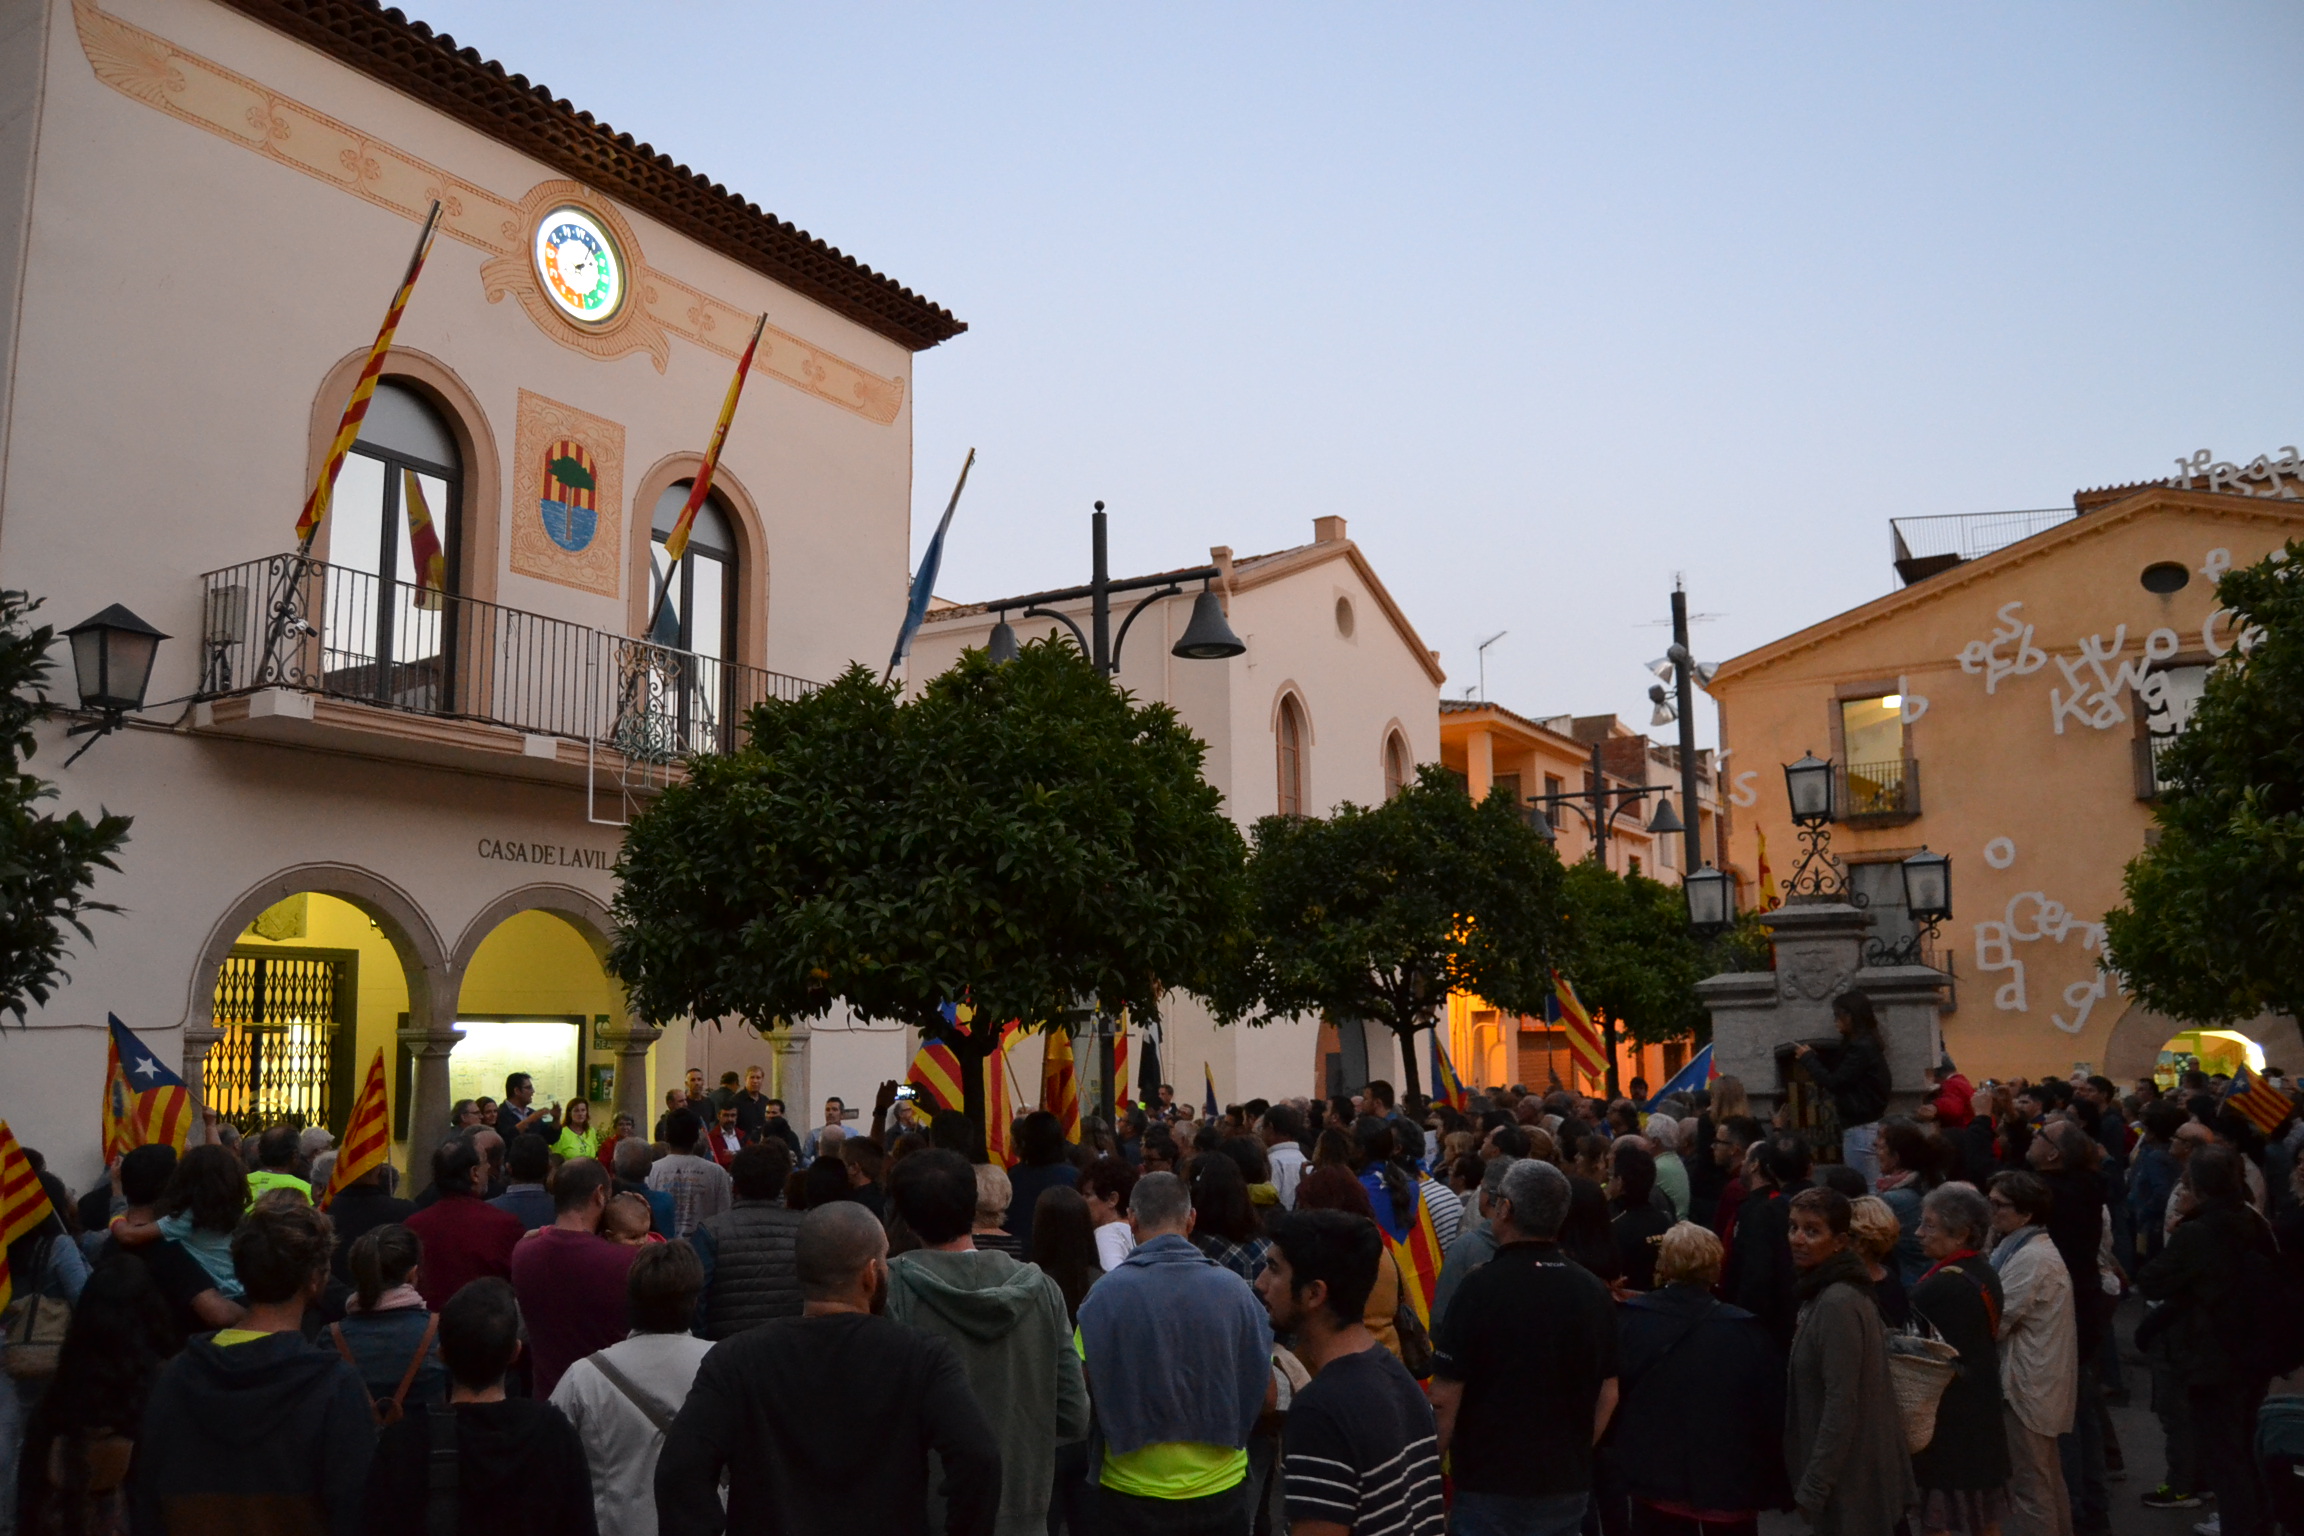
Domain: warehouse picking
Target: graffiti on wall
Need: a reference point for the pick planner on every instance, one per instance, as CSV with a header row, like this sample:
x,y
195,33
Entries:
x,y
2029,918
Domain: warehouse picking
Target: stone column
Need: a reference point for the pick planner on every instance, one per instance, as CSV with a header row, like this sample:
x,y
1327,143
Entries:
x,y
632,1041
429,1046
788,1075
199,1039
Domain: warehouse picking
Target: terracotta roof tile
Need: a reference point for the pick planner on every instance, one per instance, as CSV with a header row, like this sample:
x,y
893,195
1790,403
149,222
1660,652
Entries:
x,y
409,56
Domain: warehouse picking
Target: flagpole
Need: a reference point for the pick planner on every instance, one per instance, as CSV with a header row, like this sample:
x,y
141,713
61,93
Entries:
x,y
943,523
703,485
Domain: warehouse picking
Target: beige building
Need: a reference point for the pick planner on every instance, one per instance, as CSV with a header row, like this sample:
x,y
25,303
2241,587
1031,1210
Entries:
x,y
1333,701
2004,706
381,806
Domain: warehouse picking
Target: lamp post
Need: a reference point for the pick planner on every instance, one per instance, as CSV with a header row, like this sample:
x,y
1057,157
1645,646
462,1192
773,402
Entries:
x,y
1592,807
1208,637
112,656
1927,900
1711,901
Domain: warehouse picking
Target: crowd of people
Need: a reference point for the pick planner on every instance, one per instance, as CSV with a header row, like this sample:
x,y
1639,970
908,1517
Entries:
x,y
1649,1319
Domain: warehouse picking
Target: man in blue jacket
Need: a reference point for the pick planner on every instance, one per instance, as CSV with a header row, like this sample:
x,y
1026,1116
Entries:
x,y
1184,1350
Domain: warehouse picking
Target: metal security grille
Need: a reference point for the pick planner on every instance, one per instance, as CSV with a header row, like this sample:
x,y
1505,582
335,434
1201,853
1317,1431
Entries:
x,y
278,1060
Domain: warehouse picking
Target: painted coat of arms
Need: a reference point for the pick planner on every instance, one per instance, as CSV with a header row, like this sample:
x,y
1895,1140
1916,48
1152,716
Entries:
x,y
567,497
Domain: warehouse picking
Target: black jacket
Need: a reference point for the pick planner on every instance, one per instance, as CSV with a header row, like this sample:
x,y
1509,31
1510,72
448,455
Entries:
x,y
356,1212
1759,1275
1855,1075
2209,1317
517,1449
1961,1299
750,1276
825,1424
1679,1351
2076,1227
270,1435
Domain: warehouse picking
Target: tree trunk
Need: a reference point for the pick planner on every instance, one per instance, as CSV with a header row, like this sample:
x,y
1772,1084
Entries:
x,y
1411,1083
1608,1040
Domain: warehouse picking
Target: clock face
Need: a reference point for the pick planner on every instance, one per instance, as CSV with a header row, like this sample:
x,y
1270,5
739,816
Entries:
x,y
580,265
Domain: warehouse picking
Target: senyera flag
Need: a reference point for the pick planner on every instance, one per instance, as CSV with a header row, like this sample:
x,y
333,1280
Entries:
x,y
424,550
368,1139
676,542
1446,1087
999,1102
1585,1047
935,1072
24,1205
363,390
144,1102
1120,1083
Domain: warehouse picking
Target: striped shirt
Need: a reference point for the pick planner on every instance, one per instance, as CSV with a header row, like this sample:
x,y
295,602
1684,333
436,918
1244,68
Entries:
x,y
1360,1450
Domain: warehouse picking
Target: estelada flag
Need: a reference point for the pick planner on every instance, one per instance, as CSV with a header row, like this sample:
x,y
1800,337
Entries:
x,y
935,1071
2265,1106
144,1102
1415,1248
1585,1048
1445,1086
368,1139
1059,1089
24,1203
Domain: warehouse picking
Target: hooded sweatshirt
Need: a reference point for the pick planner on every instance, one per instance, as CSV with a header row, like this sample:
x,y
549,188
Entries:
x,y
518,1447
269,1434
1007,1323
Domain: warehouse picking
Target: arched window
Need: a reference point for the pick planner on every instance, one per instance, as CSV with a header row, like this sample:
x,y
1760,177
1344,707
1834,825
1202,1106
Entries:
x,y
1291,734
1398,767
700,613
392,526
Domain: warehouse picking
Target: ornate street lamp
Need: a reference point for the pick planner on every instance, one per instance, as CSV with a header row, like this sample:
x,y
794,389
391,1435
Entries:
x,y
1928,899
112,656
1711,901
1818,876
1808,783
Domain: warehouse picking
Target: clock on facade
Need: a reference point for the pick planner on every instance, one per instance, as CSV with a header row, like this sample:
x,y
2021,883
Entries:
x,y
581,267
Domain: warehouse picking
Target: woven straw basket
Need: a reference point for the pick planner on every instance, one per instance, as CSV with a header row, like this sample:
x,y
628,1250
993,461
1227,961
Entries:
x,y
1920,1368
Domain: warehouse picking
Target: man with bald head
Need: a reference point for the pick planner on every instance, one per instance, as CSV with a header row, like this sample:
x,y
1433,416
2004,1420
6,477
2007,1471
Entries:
x,y
800,1458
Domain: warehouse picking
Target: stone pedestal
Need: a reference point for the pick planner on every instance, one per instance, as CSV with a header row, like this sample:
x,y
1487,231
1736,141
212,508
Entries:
x,y
631,1041
1819,955
788,1075
427,1099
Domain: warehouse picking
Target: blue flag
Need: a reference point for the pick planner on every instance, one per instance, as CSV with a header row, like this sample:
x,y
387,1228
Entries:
x,y
1688,1079
924,579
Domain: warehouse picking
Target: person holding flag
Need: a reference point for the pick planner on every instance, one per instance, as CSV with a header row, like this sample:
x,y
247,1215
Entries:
x,y
1446,1087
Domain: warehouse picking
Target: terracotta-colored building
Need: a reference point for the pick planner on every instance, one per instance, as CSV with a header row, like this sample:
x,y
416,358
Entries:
x,y
2003,706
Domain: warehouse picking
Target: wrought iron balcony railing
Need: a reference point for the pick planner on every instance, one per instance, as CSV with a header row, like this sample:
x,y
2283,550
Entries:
x,y
1871,790
287,621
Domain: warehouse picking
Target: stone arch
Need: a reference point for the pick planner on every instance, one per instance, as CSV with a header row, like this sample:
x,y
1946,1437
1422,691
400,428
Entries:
x,y
2133,1047
579,909
395,912
746,523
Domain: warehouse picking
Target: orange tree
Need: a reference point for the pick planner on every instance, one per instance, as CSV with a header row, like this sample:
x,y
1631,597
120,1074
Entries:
x,y
1022,837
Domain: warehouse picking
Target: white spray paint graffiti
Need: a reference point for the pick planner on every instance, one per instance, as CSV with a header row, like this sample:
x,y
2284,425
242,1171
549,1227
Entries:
x,y
2099,706
1984,655
2029,917
2000,852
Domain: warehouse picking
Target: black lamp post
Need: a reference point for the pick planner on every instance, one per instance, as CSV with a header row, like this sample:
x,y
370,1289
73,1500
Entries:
x,y
1711,901
1928,900
112,656
1206,638
1818,876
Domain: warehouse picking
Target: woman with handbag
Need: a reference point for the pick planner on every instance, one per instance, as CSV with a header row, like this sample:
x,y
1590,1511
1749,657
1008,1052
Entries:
x,y
1963,1471
388,1335
1844,1434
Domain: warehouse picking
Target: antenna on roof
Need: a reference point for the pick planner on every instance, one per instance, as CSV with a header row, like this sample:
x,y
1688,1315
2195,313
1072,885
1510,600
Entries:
x,y
1491,640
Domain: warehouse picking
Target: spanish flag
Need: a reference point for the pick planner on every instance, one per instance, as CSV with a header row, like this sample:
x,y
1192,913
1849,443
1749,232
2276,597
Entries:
x,y
144,1102
935,1071
1059,1089
368,1139
363,390
676,542
1446,1088
24,1204
1586,1050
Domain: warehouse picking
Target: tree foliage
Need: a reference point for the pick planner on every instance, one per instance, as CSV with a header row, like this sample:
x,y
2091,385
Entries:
x,y
1378,913
1023,838
2213,926
1629,952
47,862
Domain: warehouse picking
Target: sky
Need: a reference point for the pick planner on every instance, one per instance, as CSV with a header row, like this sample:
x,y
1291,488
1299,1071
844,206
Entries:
x,y
1553,304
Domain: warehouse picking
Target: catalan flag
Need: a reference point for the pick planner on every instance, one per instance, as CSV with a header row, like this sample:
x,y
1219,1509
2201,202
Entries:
x,y
144,1102
363,390
1586,1050
1120,1083
2265,1106
24,1203
1770,897
367,1139
423,543
1000,1103
936,1072
676,542
1446,1088
1059,1087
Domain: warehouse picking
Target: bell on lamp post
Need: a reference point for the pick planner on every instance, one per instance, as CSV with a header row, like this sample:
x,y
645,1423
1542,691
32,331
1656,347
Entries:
x,y
112,656
1711,901
1208,637
1666,822
1002,646
1928,887
1808,783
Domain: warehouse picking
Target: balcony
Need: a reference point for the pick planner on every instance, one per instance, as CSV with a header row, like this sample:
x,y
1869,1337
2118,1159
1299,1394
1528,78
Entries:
x,y
1922,547
1880,794
342,656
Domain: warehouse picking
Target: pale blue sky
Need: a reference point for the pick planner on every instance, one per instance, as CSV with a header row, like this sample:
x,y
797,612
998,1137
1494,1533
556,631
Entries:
x,y
1550,302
